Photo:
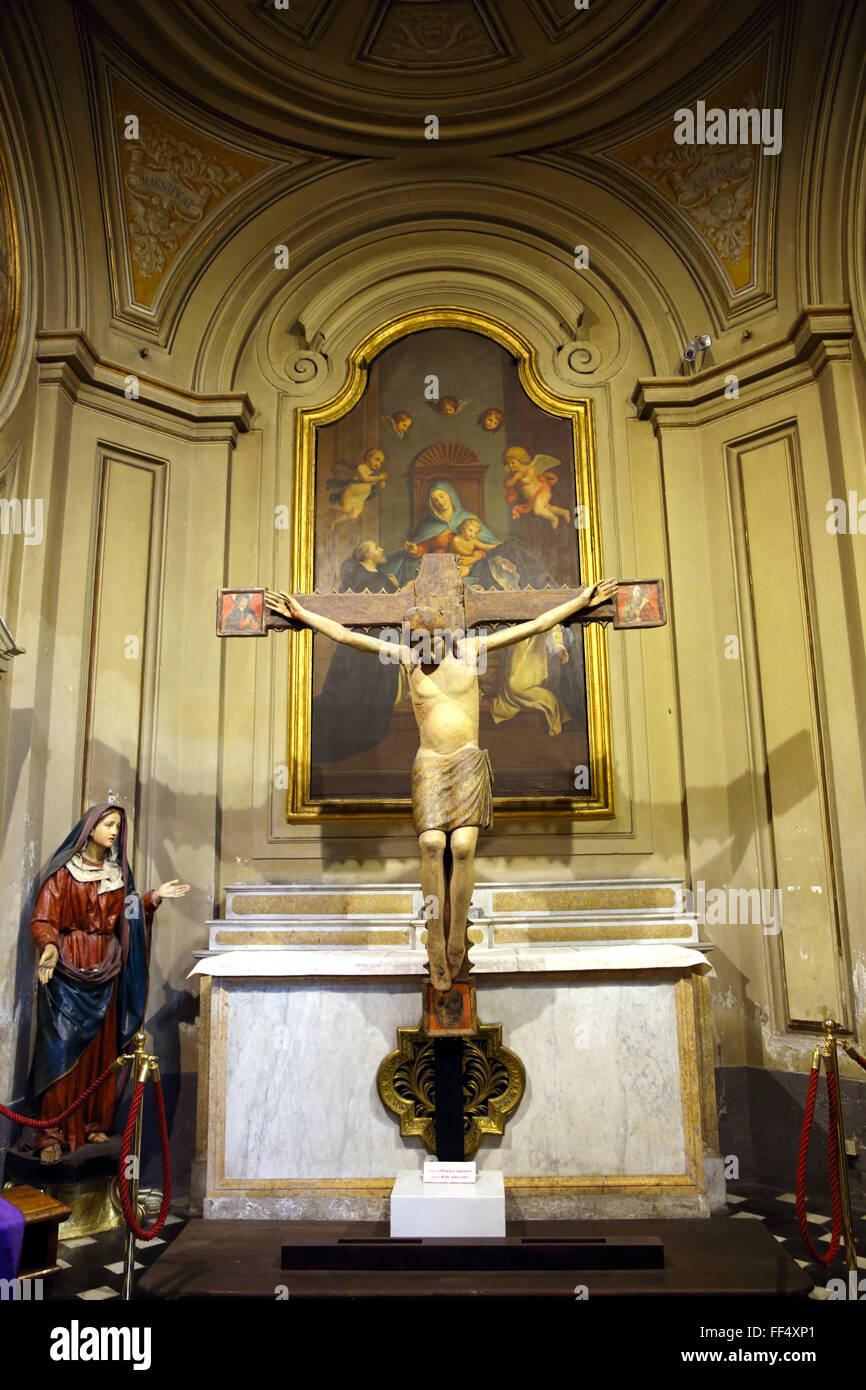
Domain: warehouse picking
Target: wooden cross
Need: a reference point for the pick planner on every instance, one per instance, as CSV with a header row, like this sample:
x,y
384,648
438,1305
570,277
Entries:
x,y
637,603
461,608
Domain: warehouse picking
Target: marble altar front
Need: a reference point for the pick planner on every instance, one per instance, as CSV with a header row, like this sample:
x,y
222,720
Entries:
x,y
601,990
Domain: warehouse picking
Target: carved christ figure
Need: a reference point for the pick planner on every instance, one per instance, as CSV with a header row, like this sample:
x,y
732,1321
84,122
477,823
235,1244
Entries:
x,y
451,776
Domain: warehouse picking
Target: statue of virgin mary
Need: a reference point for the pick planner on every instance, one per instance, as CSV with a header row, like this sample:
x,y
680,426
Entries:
x,y
93,932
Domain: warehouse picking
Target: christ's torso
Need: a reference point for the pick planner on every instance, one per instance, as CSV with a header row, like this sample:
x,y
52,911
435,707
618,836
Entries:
x,y
445,701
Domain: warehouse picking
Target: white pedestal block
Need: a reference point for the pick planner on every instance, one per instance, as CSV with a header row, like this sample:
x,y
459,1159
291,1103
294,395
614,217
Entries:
x,y
448,1209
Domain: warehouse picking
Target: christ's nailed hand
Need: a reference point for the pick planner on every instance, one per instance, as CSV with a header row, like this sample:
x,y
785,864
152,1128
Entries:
x,y
286,605
603,590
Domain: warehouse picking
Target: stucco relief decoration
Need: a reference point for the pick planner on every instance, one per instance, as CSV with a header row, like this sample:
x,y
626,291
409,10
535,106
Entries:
x,y
305,369
173,180
170,184
433,34
714,186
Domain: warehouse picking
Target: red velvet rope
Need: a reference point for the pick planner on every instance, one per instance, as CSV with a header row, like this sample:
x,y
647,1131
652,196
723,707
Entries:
x,y
852,1052
833,1164
64,1114
123,1181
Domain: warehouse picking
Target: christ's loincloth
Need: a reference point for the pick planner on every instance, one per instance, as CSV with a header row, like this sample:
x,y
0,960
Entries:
x,y
452,789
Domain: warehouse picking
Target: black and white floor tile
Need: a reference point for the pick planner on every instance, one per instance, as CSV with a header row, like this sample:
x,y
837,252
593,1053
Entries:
x,y
777,1210
92,1266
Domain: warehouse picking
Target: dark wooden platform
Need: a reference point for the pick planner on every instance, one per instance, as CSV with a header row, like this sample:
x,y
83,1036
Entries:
x,y
241,1259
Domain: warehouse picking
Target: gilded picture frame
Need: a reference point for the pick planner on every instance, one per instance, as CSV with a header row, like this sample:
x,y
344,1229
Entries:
x,y
592,801
10,273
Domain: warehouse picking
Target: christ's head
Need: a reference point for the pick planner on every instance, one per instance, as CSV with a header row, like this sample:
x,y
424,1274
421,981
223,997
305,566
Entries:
x,y
470,529
424,619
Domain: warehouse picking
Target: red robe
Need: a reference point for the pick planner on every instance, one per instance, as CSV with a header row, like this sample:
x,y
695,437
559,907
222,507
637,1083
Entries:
x,y
440,542
85,920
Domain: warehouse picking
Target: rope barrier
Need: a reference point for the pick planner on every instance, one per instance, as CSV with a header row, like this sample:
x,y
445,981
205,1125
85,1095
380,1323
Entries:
x,y
832,1161
64,1114
129,1217
149,1068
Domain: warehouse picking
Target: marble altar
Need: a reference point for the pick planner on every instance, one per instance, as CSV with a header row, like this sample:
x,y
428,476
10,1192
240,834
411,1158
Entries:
x,y
601,989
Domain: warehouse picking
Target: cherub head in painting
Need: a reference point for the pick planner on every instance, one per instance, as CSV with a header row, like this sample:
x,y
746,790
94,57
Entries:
x,y
516,457
491,419
399,422
447,405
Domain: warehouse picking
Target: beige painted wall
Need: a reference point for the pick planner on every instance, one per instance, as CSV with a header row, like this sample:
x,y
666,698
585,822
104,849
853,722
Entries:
x,y
744,772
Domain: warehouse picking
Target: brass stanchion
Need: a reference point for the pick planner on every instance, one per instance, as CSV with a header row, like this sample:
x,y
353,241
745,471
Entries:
x,y
829,1051
144,1064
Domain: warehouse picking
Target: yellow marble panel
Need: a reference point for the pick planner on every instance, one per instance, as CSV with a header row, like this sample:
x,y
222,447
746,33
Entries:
x,y
316,904
610,899
594,931
316,936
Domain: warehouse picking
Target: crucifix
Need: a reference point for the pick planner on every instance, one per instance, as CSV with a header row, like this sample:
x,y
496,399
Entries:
x,y
440,644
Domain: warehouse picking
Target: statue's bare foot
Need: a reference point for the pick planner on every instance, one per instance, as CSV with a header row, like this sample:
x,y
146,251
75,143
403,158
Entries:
x,y
50,1154
97,1137
439,972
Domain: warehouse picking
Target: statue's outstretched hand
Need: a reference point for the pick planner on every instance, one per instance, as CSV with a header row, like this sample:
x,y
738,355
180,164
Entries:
x,y
173,889
47,962
287,606
602,591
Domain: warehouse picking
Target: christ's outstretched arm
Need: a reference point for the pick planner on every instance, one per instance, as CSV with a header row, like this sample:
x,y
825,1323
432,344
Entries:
x,y
290,608
587,598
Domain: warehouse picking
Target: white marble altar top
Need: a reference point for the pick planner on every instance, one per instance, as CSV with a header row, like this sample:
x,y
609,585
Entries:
x,y
497,960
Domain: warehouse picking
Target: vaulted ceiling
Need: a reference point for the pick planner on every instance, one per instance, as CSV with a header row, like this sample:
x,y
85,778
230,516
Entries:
x,y
360,76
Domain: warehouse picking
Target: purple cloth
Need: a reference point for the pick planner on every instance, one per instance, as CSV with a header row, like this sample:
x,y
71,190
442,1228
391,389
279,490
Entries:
x,y
11,1237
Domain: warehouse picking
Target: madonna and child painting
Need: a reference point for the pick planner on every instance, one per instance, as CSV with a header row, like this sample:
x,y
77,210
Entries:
x,y
446,452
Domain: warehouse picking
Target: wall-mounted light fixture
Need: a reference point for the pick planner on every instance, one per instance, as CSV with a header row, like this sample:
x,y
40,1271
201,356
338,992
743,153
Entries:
x,y
8,648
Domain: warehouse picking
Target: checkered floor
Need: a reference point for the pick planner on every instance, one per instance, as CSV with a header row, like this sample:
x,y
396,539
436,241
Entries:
x,y
778,1212
92,1266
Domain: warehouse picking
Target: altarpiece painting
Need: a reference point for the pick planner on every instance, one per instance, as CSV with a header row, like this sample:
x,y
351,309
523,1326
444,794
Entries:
x,y
445,438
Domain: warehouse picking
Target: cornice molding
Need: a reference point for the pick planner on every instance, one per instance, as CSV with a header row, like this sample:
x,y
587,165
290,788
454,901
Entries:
x,y
820,336
68,360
